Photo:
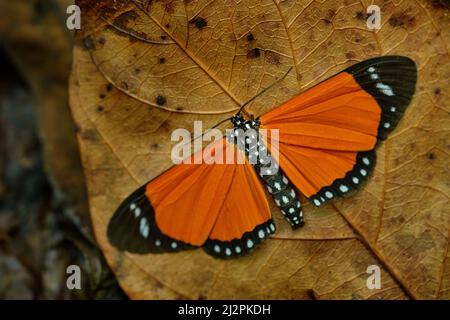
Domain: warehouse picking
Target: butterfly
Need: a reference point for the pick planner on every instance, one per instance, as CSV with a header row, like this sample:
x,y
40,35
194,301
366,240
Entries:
x,y
326,147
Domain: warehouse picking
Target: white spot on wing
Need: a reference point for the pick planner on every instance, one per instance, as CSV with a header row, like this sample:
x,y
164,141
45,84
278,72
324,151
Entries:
x,y
343,188
272,227
142,227
384,88
261,234
137,212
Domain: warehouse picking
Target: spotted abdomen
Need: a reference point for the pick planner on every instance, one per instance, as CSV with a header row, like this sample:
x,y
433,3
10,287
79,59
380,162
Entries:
x,y
284,195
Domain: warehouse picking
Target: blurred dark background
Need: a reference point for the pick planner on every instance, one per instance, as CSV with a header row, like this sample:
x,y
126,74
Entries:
x,y
44,217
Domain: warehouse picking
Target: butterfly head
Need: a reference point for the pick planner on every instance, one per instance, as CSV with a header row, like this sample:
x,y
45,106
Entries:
x,y
239,122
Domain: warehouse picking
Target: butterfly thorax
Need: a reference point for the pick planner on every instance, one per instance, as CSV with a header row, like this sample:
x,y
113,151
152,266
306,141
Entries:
x,y
247,137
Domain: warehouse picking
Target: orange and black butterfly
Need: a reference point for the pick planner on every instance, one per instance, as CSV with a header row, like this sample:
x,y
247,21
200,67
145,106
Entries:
x,y
326,146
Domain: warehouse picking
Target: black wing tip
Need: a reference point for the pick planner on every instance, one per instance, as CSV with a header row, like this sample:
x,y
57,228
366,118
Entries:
x,y
240,247
391,80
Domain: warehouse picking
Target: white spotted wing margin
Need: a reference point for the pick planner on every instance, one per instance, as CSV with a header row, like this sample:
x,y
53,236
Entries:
x,y
391,81
133,228
238,247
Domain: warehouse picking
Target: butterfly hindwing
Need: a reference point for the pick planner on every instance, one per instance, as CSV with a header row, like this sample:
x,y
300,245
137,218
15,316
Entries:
x,y
242,245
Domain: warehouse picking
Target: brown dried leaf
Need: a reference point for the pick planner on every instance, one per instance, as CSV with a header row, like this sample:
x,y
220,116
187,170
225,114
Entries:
x,y
129,93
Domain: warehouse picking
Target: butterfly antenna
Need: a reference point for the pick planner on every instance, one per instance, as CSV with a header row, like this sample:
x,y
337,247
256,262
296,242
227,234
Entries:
x,y
213,127
265,89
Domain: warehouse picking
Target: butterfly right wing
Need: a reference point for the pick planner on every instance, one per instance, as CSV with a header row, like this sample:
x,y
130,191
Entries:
x,y
328,134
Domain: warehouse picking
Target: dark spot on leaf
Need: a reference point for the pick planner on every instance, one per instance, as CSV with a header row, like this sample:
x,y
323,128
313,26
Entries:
x,y
199,22
163,37
350,55
100,108
102,41
329,16
137,70
431,156
102,96
88,43
180,109
165,125
160,100
253,53
361,15
155,146
89,134
169,7
250,37
402,19
437,91
162,60
167,26
109,87
272,57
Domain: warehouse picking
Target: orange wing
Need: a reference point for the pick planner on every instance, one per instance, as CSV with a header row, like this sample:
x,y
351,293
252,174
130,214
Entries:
x,y
328,133
219,206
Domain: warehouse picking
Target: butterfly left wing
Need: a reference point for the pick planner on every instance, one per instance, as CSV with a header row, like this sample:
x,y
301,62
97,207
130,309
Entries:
x,y
191,205
327,134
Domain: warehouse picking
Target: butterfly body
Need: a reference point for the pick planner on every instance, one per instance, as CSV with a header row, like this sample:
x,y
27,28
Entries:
x,y
246,136
322,141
